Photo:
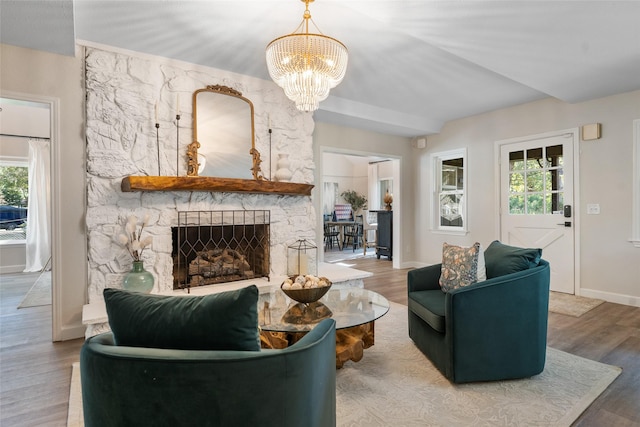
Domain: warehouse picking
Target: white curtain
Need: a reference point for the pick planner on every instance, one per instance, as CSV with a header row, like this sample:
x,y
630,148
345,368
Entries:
x,y
374,195
38,216
329,197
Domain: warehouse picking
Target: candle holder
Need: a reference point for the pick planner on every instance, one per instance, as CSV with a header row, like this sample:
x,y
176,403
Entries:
x,y
158,145
177,144
298,259
270,155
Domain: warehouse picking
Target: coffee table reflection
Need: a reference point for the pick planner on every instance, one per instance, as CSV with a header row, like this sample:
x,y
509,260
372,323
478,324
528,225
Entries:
x,y
284,321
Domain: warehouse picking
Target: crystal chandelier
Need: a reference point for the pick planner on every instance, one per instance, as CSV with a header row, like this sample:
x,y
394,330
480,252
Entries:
x,y
306,65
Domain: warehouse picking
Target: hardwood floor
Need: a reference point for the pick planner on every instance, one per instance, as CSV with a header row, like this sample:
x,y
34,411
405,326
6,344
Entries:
x,y
35,373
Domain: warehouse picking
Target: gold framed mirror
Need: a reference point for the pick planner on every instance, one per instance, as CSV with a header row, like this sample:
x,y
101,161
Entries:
x,y
223,135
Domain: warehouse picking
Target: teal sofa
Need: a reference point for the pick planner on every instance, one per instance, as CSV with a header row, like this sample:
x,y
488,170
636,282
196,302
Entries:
x,y
490,330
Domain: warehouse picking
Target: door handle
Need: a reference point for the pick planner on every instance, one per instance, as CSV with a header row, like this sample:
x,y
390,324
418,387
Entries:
x,y
566,224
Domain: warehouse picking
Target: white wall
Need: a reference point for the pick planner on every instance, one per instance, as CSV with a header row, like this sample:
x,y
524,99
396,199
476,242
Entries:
x,y
338,169
25,119
59,78
609,263
349,172
12,147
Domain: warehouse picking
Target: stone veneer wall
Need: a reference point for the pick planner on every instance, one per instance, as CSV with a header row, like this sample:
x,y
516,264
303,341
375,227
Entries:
x,y
122,91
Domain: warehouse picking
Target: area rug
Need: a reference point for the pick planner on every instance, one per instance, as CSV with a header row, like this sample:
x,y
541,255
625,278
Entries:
x,y
75,417
571,305
40,292
395,385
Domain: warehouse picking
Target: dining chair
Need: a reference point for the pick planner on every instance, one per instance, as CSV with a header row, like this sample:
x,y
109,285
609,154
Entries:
x,y
331,236
370,225
353,233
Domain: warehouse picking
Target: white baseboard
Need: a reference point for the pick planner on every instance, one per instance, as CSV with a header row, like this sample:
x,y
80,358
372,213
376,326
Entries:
x,y
7,269
414,264
611,297
70,332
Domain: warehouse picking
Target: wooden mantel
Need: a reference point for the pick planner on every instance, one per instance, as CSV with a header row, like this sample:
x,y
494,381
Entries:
x,y
205,183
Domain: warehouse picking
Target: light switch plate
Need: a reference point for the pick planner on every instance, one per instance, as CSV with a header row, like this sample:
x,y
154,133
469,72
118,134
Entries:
x,y
593,209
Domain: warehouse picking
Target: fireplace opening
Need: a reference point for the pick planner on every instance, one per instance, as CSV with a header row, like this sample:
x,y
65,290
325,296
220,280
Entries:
x,y
211,247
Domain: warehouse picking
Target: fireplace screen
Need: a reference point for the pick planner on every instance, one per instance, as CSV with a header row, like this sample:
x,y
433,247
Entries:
x,y
212,247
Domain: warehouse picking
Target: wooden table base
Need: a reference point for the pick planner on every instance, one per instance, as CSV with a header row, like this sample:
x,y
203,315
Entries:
x,y
350,342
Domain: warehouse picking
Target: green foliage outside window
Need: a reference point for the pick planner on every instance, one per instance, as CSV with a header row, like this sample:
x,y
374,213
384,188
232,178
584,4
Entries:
x,y
14,185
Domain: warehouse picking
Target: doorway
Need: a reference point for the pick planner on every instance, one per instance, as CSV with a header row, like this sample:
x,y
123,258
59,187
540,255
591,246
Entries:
x,y
368,174
26,143
537,199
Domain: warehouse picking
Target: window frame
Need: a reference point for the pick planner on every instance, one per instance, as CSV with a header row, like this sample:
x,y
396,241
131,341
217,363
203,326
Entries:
x,y
437,160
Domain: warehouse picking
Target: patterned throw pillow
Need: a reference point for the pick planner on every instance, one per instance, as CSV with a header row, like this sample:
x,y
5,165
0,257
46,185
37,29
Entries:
x,y
459,266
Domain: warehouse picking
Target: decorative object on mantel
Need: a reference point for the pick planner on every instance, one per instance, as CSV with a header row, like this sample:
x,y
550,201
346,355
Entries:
x,y
270,143
157,125
204,183
283,174
224,134
388,200
298,260
138,279
306,65
177,135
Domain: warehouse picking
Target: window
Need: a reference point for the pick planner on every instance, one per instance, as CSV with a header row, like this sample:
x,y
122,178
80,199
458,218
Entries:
x,y
449,206
14,193
536,181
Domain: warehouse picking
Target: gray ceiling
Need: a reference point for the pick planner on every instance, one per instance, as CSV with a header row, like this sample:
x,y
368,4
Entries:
x,y
413,65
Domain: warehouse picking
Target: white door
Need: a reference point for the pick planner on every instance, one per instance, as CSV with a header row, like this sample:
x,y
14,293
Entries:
x,y
536,201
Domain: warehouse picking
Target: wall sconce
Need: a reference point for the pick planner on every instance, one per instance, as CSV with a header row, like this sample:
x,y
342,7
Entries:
x,y
298,255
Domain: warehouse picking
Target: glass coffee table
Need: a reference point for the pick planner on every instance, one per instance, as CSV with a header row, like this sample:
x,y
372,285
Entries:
x,y
284,321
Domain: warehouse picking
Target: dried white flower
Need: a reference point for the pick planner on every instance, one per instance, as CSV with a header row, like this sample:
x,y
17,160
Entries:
x,y
135,245
146,241
130,228
132,240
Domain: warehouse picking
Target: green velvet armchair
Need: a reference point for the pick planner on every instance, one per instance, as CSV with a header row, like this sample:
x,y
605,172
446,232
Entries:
x,y
134,386
491,330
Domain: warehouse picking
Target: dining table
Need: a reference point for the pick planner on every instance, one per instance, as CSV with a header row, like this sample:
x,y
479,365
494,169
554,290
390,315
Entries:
x,y
341,224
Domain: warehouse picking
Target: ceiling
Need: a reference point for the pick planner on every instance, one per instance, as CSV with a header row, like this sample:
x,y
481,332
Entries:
x,y
413,65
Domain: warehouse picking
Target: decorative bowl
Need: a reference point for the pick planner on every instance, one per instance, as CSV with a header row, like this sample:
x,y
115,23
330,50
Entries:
x,y
307,295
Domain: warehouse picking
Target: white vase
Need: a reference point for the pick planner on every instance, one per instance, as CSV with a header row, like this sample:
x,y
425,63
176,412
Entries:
x,y
283,173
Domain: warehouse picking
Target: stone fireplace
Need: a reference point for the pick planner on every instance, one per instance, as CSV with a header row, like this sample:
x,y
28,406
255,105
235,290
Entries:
x,y
123,89
211,247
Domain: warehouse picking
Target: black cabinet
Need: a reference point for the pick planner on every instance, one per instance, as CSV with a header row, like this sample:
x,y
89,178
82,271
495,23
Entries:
x,y
384,245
